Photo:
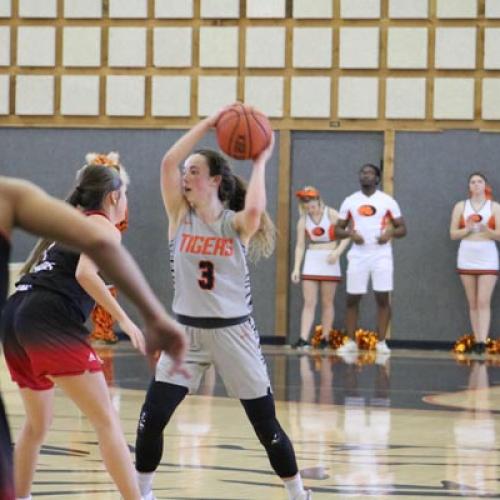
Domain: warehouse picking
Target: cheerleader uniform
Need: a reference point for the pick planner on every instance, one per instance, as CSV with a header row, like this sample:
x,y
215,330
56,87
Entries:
x,y
370,260
6,468
316,265
478,256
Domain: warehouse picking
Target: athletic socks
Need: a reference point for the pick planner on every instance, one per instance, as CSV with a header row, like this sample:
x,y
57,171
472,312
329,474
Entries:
x,y
294,487
145,480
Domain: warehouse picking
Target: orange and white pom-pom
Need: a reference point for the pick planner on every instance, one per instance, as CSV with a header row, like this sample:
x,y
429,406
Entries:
x,y
316,338
111,159
336,338
466,343
103,322
493,346
366,339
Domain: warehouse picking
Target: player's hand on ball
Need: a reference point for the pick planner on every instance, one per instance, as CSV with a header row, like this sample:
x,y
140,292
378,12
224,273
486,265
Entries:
x,y
267,153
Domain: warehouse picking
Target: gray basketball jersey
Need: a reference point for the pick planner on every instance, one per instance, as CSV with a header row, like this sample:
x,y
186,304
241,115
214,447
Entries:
x,y
208,263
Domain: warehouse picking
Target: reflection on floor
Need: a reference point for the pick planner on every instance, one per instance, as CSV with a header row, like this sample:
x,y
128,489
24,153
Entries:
x,y
418,424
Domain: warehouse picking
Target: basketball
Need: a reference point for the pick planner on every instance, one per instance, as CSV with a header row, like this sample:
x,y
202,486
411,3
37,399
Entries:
x,y
243,132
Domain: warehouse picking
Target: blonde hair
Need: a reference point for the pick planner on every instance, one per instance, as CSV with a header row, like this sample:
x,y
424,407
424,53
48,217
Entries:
x,y
263,241
302,204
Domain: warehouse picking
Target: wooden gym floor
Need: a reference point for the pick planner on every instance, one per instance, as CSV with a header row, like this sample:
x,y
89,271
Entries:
x,y
418,424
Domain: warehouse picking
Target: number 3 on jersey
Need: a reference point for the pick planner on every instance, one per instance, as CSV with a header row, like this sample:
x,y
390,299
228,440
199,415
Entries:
x,y
207,279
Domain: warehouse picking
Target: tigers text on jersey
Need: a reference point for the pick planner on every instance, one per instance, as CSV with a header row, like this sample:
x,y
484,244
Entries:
x,y
370,216
208,263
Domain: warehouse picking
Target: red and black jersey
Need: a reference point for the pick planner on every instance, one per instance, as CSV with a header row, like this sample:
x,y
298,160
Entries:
x,y
56,272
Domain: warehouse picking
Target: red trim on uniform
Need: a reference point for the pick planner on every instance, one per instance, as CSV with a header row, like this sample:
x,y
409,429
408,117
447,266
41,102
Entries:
x,y
96,212
314,277
331,232
478,272
32,366
461,222
492,222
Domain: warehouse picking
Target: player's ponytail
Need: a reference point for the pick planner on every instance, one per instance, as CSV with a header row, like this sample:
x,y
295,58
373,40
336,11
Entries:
x,y
232,192
101,175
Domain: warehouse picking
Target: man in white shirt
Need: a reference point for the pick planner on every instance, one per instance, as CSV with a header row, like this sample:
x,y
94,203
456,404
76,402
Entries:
x,y
370,218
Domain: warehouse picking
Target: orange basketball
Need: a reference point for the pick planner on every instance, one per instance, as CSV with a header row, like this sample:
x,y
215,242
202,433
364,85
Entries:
x,y
242,132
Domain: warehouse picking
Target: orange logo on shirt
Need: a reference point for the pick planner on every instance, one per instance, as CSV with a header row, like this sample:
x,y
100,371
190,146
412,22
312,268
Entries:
x,y
318,231
367,210
475,218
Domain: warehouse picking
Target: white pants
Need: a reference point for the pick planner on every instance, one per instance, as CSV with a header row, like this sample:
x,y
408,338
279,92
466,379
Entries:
x,y
375,265
235,353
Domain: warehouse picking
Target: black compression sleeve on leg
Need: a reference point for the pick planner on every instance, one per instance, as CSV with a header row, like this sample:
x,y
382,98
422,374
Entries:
x,y
262,414
161,401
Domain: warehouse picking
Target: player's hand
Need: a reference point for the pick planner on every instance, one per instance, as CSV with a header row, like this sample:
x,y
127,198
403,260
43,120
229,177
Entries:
x,y
165,334
267,153
385,237
295,276
357,238
333,257
136,336
212,120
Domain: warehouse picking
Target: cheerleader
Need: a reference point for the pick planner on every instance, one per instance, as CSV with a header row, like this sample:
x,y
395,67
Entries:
x,y
475,221
321,270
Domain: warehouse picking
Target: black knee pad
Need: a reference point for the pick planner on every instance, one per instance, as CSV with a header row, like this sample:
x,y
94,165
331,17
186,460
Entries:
x,y
161,401
262,415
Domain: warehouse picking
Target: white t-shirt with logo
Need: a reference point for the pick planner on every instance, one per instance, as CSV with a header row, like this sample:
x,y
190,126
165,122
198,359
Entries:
x,y
370,215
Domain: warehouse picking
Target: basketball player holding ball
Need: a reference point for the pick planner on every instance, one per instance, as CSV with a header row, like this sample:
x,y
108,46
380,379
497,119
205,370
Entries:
x,y
370,218
475,222
213,219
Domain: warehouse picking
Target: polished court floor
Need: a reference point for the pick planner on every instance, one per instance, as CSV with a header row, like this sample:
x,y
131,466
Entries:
x,y
418,424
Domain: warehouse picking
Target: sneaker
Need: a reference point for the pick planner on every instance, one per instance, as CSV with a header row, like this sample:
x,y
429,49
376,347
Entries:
x,y
382,347
301,344
323,344
349,347
479,348
148,496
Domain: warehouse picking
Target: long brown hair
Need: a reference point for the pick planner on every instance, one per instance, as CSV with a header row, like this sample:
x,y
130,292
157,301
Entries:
x,y
232,192
93,182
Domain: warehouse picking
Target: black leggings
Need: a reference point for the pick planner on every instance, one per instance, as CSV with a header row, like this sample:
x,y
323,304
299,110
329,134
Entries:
x,y
163,398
